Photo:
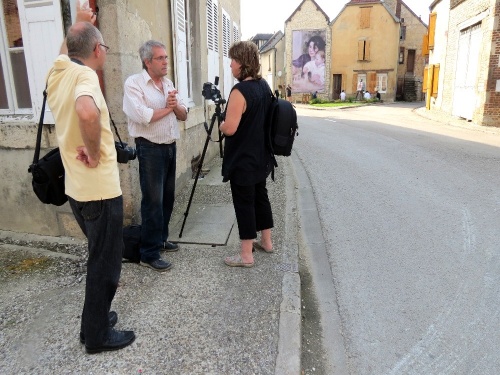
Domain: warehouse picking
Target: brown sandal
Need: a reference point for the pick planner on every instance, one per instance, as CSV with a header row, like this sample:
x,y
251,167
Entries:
x,y
236,261
258,246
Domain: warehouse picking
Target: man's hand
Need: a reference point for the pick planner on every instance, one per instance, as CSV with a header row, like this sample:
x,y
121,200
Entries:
x,y
85,158
84,13
172,99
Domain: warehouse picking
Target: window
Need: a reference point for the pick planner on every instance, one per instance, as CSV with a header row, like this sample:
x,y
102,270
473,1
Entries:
x,y
364,19
382,82
226,61
401,55
402,32
363,50
14,87
30,38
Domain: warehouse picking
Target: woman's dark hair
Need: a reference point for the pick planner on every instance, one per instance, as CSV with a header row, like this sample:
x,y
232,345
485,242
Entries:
x,y
318,41
246,54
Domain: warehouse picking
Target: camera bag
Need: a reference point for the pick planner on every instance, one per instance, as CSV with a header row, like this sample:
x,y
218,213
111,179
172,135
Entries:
x,y
47,172
132,243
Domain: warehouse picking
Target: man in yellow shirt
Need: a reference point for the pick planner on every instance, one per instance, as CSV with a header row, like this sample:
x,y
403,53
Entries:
x,y
91,177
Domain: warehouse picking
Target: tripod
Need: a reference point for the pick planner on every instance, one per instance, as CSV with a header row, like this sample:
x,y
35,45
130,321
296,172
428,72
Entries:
x,y
216,116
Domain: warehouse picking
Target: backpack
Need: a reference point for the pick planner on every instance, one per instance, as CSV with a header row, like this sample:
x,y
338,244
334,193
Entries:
x,y
282,126
132,242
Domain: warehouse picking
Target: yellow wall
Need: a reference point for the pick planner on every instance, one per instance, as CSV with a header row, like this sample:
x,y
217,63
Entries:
x,y
382,34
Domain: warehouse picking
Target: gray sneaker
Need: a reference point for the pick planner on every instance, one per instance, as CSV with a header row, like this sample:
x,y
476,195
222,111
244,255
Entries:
x,y
158,265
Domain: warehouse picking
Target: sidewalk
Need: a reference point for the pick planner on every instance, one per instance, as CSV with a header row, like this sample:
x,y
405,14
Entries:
x,y
201,317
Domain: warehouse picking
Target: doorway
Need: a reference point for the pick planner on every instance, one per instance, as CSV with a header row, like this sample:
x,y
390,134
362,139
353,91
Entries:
x,y
337,86
410,63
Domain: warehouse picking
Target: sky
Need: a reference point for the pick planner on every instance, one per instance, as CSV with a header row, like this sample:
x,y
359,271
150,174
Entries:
x,y
269,16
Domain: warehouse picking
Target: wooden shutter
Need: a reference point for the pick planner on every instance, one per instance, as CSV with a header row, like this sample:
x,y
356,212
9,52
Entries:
x,y
367,50
426,79
365,18
432,29
226,61
372,82
435,81
42,28
425,45
361,49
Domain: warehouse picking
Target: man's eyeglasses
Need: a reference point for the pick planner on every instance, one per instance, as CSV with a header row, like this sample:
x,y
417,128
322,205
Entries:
x,y
161,58
102,45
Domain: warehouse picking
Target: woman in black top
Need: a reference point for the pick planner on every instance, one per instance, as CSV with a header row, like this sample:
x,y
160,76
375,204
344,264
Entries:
x,y
247,160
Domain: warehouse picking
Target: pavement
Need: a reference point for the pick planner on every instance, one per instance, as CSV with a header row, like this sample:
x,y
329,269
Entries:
x,y
201,317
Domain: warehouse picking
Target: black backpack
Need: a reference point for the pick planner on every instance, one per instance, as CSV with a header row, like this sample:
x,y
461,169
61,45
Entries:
x,y
282,126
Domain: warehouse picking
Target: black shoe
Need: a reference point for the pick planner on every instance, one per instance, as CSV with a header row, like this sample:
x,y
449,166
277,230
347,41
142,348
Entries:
x,y
170,247
116,340
158,265
113,319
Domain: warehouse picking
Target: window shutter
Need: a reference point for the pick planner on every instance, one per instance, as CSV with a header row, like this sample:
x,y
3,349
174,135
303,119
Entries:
x,y
426,79
236,33
180,50
367,50
432,30
435,81
213,39
372,81
365,18
361,49
42,28
226,61
425,45
355,83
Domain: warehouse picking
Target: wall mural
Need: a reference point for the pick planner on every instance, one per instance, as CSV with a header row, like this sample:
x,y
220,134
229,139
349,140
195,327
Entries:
x,y
308,61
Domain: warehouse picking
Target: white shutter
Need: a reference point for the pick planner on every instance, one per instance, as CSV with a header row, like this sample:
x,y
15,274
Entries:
x,y
180,50
226,61
236,33
42,28
213,39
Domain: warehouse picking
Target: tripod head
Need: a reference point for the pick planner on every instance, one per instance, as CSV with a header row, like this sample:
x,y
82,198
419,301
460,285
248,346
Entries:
x,y
211,92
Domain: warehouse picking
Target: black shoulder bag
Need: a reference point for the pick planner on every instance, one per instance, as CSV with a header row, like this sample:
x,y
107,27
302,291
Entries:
x,y
47,172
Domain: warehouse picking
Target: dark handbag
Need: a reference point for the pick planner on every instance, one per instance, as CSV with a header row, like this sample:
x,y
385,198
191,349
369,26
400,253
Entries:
x,y
132,243
47,172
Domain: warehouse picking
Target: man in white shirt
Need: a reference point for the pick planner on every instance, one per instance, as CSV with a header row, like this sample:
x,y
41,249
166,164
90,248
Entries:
x,y
360,89
153,107
342,96
367,95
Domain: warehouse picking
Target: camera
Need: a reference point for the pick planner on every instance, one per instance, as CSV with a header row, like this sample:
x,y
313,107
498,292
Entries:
x,y
124,153
211,92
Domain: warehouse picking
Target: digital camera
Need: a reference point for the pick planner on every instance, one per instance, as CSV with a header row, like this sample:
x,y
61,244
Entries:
x,y
124,153
211,92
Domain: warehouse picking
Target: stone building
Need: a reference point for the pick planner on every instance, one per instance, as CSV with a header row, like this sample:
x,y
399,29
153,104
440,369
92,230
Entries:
x,y
307,26
272,59
197,35
463,75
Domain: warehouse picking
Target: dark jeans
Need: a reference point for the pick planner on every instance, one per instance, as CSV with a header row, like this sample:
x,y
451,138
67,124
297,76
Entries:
x,y
157,178
102,223
252,208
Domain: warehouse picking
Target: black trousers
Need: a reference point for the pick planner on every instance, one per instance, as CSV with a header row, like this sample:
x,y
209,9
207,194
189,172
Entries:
x,y
252,208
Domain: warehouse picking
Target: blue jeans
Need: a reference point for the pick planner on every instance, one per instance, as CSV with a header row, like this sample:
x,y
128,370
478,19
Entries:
x,y
157,178
102,223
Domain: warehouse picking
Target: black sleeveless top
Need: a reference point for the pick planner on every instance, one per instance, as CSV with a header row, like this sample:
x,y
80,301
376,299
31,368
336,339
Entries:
x,y
247,159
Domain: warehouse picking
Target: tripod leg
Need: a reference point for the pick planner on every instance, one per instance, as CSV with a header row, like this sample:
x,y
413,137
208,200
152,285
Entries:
x,y
200,164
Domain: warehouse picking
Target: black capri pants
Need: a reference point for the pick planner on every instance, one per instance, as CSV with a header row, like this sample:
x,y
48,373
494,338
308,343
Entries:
x,y
252,208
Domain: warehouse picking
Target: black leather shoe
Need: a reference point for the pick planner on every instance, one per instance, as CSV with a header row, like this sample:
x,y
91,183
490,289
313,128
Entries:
x,y
170,247
116,340
113,319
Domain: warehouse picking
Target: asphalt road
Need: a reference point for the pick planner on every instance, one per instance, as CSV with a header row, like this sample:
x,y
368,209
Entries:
x,y
408,210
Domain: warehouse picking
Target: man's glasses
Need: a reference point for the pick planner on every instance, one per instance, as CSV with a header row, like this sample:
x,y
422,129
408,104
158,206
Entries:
x,y
161,58
102,45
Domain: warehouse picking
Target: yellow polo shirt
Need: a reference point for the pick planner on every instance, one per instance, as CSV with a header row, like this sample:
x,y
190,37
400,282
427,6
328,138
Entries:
x,y
67,81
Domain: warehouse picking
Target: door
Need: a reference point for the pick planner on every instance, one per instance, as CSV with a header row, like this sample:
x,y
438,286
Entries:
x,y
465,94
410,63
337,86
